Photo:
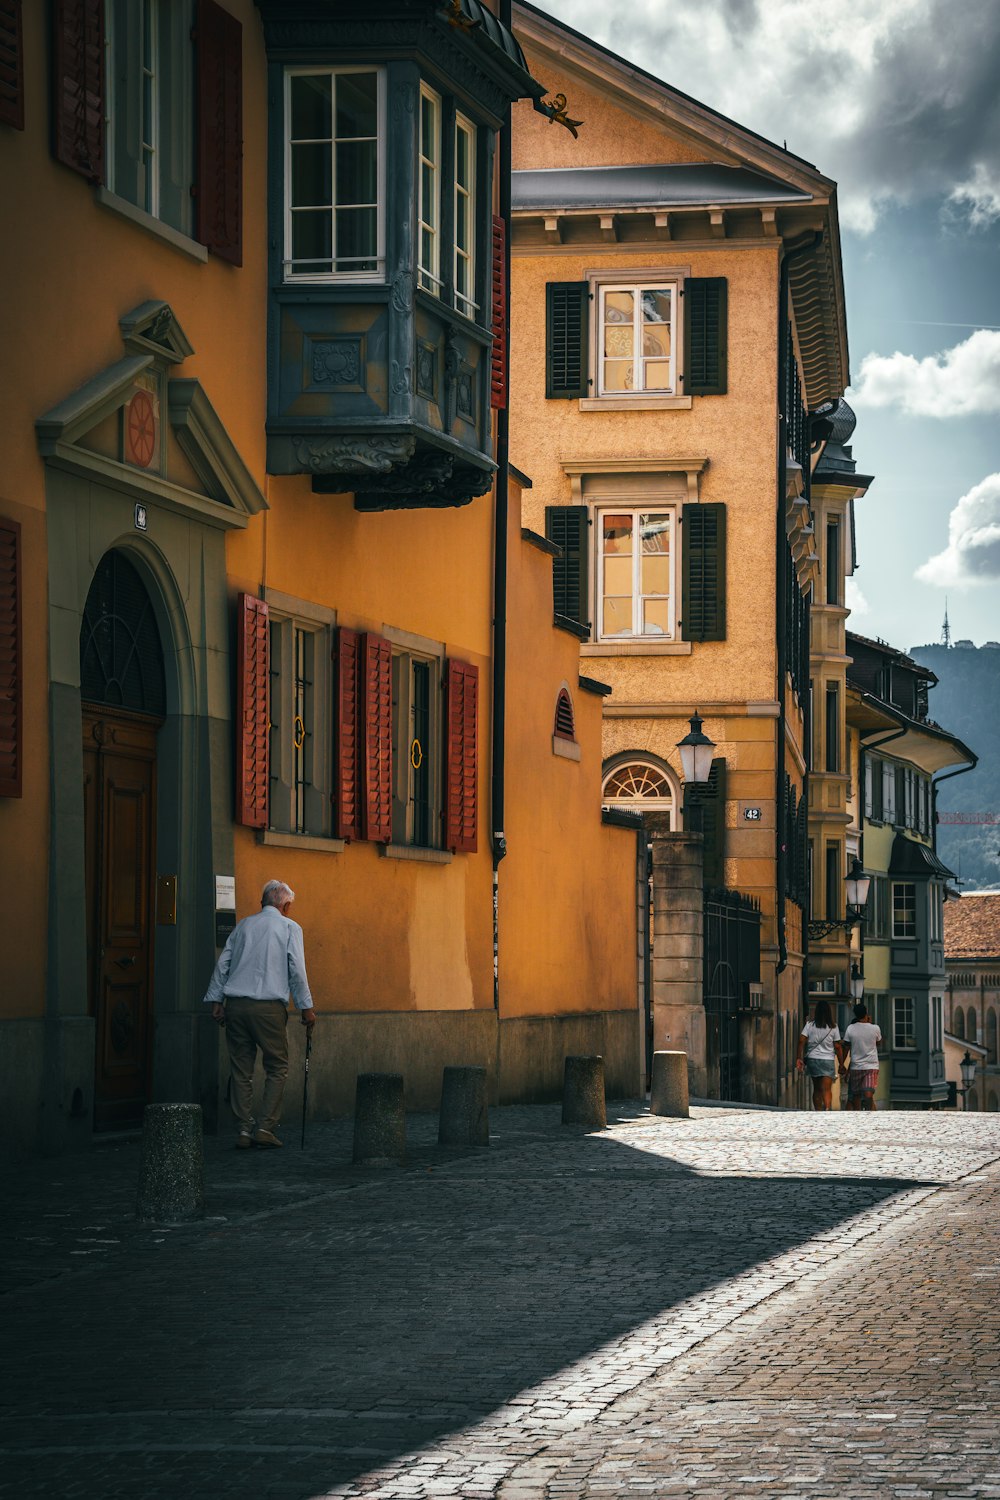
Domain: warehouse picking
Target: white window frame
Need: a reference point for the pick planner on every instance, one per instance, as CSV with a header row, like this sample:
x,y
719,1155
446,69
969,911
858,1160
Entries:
x,y
429,277
635,289
601,279
647,508
333,275
899,1001
894,886
467,305
670,803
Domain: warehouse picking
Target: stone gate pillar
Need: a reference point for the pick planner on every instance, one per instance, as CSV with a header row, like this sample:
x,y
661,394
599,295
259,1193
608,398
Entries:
x,y
678,946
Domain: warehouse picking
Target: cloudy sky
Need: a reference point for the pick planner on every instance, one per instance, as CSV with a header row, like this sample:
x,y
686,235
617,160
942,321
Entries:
x,y
899,101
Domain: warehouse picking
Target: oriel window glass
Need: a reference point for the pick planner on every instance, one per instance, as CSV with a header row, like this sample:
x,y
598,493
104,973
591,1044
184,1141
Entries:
x,y
429,192
904,909
465,210
333,173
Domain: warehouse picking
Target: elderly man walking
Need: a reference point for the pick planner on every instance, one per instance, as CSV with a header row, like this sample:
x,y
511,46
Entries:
x,y
261,965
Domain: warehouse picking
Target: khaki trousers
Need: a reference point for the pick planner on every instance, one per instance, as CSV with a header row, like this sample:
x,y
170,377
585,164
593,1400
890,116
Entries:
x,y
251,1024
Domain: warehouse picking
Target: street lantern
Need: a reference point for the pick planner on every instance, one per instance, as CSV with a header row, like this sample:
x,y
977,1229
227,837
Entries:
x,y
696,753
857,983
857,885
967,1067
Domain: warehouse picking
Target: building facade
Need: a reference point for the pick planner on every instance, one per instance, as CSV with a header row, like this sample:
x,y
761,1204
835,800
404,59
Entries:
x,y
898,755
686,274
267,607
972,960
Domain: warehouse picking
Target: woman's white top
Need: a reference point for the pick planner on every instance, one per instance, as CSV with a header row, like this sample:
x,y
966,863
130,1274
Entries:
x,y
820,1040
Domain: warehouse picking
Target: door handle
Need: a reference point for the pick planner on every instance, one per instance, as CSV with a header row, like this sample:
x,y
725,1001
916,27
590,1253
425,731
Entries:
x,y
126,962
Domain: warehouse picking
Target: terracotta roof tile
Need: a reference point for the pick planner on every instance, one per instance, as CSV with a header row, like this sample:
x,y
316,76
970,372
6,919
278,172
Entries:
x,y
972,927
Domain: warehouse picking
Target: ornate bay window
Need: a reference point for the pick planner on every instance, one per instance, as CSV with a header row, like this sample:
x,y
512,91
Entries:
x,y
382,130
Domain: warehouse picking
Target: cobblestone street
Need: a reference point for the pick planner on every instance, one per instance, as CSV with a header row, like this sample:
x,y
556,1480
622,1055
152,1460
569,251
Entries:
x,y
745,1303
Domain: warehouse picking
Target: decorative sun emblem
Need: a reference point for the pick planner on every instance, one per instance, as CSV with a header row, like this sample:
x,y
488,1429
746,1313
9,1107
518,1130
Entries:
x,y
140,430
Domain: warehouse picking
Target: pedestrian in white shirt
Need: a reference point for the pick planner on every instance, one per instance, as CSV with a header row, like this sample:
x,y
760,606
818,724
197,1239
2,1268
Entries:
x,y
262,963
820,1050
862,1040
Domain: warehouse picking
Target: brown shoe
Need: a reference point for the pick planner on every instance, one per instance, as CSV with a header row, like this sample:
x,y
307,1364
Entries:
x,y
244,1141
265,1138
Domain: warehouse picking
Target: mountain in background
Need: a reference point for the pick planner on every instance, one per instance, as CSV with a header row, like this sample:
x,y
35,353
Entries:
x,y
966,701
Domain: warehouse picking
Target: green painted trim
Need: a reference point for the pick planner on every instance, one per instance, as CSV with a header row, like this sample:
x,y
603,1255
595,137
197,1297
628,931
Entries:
x,y
89,405
209,448
152,328
140,485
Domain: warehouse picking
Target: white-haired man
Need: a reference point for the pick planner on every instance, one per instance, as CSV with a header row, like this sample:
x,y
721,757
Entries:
x,y
261,965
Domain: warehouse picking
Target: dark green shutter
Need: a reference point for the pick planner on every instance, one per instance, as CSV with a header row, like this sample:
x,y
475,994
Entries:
x,y
567,339
705,813
566,525
706,336
703,548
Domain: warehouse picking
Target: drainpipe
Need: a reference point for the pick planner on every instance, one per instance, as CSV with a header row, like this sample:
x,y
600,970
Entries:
x,y
781,546
501,528
934,791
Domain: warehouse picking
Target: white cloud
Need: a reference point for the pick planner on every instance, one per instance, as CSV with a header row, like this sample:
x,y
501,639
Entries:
x,y
959,382
973,551
979,196
897,101
855,599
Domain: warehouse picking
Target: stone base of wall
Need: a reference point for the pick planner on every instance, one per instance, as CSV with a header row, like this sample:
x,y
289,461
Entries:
x,y
523,1057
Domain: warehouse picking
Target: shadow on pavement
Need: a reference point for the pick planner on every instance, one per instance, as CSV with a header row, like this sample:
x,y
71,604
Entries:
x,y
287,1356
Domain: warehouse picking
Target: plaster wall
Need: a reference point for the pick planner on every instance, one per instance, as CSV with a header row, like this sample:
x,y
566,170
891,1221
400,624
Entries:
x,y
567,886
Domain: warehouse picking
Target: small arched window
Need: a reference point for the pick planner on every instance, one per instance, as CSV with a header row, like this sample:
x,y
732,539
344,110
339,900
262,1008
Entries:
x,y
971,1025
642,782
565,724
958,1023
991,1036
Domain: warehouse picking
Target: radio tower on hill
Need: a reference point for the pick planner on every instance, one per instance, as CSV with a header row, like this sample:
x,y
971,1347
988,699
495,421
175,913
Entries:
x,y
946,628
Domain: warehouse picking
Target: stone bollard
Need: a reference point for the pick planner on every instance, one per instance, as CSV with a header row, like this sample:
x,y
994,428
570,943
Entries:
x,y
171,1168
464,1119
583,1092
379,1120
668,1094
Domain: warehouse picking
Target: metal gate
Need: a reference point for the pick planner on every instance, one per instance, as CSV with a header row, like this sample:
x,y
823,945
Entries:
x,y
732,964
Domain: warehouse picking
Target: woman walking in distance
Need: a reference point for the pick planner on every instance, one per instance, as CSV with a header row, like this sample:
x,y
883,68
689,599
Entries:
x,y
820,1052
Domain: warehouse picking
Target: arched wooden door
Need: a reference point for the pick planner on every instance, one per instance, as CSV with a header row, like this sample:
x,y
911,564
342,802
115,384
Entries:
x,y
124,700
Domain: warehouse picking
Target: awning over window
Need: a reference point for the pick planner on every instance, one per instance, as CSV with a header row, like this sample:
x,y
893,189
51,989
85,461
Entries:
x,y
916,860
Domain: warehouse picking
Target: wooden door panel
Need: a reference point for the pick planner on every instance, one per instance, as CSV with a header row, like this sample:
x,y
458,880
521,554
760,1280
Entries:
x,y
127,829
122,1042
119,808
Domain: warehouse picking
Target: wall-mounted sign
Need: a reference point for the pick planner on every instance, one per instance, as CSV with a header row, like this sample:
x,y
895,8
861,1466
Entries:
x,y
755,814
225,892
141,517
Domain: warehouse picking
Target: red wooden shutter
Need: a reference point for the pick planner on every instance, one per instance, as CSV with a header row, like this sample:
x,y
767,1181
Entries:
x,y
253,712
498,358
219,192
376,760
78,86
11,65
461,765
347,738
11,716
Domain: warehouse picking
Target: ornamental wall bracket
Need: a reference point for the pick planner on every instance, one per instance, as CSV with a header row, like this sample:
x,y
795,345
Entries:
x,y
354,455
554,111
820,929
456,17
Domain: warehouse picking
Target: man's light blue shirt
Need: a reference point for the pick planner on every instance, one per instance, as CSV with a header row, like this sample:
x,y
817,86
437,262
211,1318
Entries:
x,y
264,959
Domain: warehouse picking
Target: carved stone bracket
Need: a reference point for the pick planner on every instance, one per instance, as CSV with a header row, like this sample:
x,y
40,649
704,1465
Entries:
x,y
430,480
364,454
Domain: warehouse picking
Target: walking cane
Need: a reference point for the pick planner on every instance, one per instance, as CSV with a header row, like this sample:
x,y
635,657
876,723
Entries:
x,y
305,1085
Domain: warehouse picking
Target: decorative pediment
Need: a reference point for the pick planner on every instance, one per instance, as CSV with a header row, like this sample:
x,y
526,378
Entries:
x,y
116,428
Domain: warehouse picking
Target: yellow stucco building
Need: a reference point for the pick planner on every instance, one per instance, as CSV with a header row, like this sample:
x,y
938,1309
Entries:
x,y
260,543
687,277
